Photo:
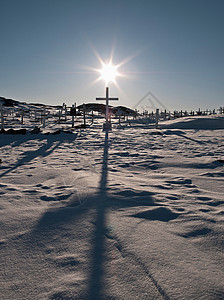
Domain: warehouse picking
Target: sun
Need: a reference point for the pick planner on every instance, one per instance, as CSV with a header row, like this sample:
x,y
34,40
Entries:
x,y
108,73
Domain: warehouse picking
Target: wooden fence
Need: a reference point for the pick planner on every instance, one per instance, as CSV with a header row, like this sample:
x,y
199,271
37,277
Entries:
x,y
49,116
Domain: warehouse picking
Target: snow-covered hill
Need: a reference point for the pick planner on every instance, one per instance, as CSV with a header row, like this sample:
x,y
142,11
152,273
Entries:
x,y
136,213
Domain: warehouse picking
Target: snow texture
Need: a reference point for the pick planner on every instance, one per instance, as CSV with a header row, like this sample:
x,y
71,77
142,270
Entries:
x,y
136,213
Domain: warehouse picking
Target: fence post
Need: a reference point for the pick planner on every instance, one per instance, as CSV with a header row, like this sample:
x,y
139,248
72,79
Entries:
x,y
35,114
157,117
174,114
73,111
59,116
41,115
2,117
84,114
119,118
13,114
65,113
92,117
44,115
22,114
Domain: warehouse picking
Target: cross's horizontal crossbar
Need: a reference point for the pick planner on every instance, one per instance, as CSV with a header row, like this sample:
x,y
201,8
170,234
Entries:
x,y
107,99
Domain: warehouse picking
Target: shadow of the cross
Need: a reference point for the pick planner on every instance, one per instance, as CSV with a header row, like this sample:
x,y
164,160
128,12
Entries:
x,y
98,254
58,223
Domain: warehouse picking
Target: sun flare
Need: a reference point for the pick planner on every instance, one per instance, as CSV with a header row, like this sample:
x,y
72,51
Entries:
x,y
108,72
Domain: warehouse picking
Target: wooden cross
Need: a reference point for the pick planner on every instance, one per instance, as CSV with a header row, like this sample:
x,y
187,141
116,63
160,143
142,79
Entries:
x,y
107,103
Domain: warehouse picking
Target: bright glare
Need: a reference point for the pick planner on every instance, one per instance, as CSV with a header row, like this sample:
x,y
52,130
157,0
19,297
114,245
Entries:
x,y
108,73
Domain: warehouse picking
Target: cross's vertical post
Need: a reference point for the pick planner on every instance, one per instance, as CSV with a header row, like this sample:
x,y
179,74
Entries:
x,y
107,104
107,125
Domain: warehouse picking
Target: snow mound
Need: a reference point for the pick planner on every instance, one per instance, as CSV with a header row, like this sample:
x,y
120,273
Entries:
x,y
161,214
196,123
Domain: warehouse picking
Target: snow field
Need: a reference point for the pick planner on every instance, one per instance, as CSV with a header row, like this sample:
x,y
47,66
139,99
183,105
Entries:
x,y
135,214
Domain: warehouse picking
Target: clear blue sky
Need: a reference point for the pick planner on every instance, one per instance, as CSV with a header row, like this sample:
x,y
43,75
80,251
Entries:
x,y
176,46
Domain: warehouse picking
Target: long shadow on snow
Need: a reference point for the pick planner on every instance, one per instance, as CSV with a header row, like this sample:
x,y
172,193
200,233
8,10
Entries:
x,y
54,220
43,151
182,134
96,290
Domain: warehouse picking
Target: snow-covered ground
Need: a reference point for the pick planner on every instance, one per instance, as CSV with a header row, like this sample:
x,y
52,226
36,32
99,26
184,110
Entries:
x,y
136,213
